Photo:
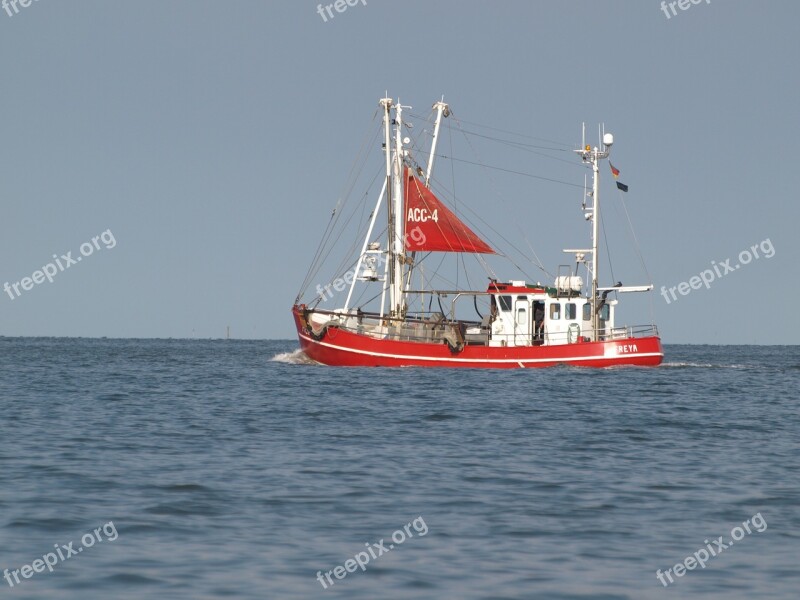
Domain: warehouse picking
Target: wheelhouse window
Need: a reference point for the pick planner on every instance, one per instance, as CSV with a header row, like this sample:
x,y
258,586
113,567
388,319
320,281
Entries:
x,y
605,312
570,311
555,312
587,312
505,303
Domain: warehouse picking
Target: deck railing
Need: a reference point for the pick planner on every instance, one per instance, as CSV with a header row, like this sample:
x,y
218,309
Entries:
x,y
435,328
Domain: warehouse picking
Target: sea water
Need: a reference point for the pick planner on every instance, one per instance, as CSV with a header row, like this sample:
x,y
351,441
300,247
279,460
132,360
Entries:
x,y
237,469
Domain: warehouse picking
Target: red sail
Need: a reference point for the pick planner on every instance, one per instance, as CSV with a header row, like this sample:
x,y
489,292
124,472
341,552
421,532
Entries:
x,y
432,227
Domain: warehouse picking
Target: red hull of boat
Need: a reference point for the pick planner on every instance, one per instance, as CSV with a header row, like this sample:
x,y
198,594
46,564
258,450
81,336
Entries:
x,y
339,347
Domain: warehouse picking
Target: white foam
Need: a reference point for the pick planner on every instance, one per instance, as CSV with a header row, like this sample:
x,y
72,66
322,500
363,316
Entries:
x,y
296,357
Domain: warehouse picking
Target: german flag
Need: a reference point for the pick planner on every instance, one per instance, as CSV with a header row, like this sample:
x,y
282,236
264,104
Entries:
x,y
614,170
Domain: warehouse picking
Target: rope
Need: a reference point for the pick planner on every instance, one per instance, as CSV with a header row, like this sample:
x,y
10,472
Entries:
x,y
353,176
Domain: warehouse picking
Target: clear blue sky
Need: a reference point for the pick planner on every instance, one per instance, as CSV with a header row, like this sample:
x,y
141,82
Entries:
x,y
213,139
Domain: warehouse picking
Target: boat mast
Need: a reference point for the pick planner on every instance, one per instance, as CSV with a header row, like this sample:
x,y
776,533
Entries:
x,y
442,109
593,156
397,253
386,103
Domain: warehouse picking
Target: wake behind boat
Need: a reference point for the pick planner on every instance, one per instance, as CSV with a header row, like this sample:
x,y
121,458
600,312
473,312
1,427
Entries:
x,y
509,324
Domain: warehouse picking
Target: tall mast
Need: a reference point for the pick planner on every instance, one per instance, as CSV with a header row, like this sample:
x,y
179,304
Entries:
x,y
386,103
593,156
595,231
397,227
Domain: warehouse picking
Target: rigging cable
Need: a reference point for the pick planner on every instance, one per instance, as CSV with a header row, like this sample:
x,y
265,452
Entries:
x,y
530,137
638,252
538,262
316,262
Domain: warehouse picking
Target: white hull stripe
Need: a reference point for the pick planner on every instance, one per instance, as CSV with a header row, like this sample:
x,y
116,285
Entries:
x,y
479,360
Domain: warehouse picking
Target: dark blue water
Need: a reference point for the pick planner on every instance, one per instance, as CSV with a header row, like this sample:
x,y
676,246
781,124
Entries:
x,y
222,472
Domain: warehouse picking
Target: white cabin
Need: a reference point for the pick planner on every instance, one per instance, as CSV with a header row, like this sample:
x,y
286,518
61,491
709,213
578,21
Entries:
x,y
527,315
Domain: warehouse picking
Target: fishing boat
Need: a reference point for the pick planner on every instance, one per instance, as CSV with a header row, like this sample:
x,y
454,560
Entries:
x,y
509,323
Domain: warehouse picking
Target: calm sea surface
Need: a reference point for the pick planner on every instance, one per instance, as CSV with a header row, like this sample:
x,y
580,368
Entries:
x,y
229,469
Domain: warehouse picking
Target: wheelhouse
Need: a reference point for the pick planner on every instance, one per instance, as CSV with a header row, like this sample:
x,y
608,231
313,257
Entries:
x,y
534,315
